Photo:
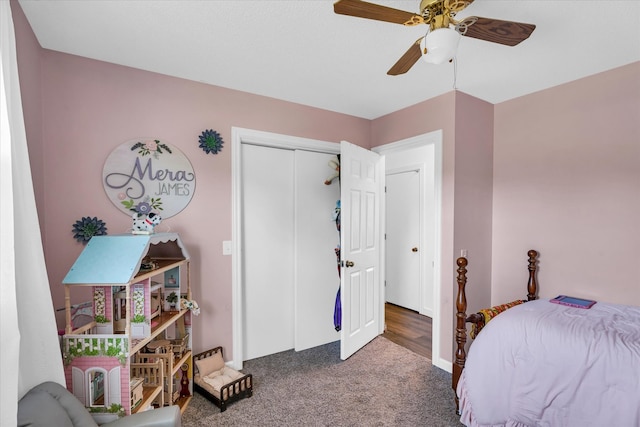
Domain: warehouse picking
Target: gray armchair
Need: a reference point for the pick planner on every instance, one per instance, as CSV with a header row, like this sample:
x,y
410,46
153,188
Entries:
x,y
50,404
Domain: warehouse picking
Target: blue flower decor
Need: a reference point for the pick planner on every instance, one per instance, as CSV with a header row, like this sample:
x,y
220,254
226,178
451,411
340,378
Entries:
x,y
211,141
87,227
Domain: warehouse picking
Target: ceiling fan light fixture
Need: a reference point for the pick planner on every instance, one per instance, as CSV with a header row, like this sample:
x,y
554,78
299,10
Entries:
x,y
441,45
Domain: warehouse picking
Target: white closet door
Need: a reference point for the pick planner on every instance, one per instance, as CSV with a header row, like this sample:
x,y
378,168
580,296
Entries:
x,y
316,272
268,221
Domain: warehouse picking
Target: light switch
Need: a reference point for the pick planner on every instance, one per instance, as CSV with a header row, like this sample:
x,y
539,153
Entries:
x,y
463,253
226,247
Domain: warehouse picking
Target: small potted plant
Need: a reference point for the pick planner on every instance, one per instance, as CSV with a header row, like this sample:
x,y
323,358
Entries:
x,y
172,299
103,325
139,318
103,415
139,326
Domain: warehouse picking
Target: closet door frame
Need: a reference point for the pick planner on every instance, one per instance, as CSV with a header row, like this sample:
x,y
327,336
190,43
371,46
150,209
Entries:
x,y
241,136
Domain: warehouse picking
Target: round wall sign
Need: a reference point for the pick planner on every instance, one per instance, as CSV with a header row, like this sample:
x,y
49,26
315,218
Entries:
x,y
147,175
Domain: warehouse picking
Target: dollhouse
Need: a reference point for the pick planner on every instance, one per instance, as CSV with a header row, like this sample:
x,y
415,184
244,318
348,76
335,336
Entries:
x,y
136,353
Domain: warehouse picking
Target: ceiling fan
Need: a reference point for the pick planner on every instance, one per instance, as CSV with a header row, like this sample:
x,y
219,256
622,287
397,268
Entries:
x,y
441,41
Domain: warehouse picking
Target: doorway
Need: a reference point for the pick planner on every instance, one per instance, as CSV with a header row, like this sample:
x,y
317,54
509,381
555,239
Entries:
x,y
403,213
408,329
421,155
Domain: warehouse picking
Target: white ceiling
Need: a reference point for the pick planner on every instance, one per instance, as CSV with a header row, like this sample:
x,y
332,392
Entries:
x,y
301,51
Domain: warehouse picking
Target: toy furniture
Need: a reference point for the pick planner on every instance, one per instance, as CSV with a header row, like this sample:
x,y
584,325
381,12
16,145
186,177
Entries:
x,y
132,335
136,391
50,404
217,382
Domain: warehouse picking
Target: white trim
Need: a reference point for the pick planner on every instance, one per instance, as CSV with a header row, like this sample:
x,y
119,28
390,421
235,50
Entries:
x,y
268,139
434,138
241,136
382,320
437,259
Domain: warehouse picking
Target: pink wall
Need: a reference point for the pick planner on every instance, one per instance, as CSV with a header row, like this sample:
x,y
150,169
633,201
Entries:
x,y
438,113
89,107
567,183
565,175
467,125
473,195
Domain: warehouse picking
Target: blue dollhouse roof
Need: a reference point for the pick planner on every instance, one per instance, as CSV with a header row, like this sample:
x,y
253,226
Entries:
x,y
116,259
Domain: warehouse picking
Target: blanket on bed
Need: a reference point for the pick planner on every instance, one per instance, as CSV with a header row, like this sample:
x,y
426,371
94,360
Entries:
x,y
543,364
490,313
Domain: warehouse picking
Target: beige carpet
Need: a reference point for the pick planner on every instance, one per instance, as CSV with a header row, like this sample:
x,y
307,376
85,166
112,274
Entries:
x,y
383,384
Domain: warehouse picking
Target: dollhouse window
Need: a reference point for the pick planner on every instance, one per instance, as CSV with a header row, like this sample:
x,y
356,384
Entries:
x,y
97,384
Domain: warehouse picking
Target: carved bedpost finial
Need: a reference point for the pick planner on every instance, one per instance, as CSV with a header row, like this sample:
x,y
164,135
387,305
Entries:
x,y
461,324
462,262
532,286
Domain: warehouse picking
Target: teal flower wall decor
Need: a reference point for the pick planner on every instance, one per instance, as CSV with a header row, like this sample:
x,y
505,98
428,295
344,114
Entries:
x,y
211,141
84,229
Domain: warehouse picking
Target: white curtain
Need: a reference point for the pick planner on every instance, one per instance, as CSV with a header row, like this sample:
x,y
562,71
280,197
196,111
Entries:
x,y
30,351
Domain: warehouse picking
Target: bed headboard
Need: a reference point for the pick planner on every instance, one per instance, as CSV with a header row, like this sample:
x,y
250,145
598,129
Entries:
x,y
460,354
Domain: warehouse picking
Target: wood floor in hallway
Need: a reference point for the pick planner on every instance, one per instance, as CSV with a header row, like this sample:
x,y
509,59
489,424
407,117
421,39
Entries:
x,y
408,328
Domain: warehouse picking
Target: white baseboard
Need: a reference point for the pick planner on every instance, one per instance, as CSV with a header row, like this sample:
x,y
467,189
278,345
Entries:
x,y
445,365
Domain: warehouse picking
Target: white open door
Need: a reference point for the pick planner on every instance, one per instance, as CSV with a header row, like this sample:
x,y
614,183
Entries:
x,y
362,176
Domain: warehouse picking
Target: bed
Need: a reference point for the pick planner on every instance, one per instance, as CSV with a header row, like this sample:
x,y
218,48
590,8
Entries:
x,y
544,364
217,382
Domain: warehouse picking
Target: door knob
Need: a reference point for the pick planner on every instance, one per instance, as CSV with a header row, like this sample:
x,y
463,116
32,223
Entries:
x,y
414,250
349,264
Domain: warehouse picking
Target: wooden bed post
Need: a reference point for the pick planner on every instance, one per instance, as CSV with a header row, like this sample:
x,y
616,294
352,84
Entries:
x,y
462,319
532,285
461,325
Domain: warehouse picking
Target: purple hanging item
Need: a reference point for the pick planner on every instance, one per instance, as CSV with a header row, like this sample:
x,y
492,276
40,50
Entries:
x,y
337,310
337,313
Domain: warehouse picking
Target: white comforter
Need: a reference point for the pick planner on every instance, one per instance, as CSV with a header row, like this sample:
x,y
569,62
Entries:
x,y
544,364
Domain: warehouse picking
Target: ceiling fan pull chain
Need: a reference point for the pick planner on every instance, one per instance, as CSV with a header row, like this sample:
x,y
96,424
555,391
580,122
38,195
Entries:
x,y
455,73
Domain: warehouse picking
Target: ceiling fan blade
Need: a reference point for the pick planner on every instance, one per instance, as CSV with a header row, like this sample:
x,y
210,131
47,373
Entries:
x,y
407,60
366,10
494,30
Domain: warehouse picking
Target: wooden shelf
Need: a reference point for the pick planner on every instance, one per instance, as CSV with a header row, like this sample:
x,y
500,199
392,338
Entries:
x,y
165,319
163,265
177,363
183,402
